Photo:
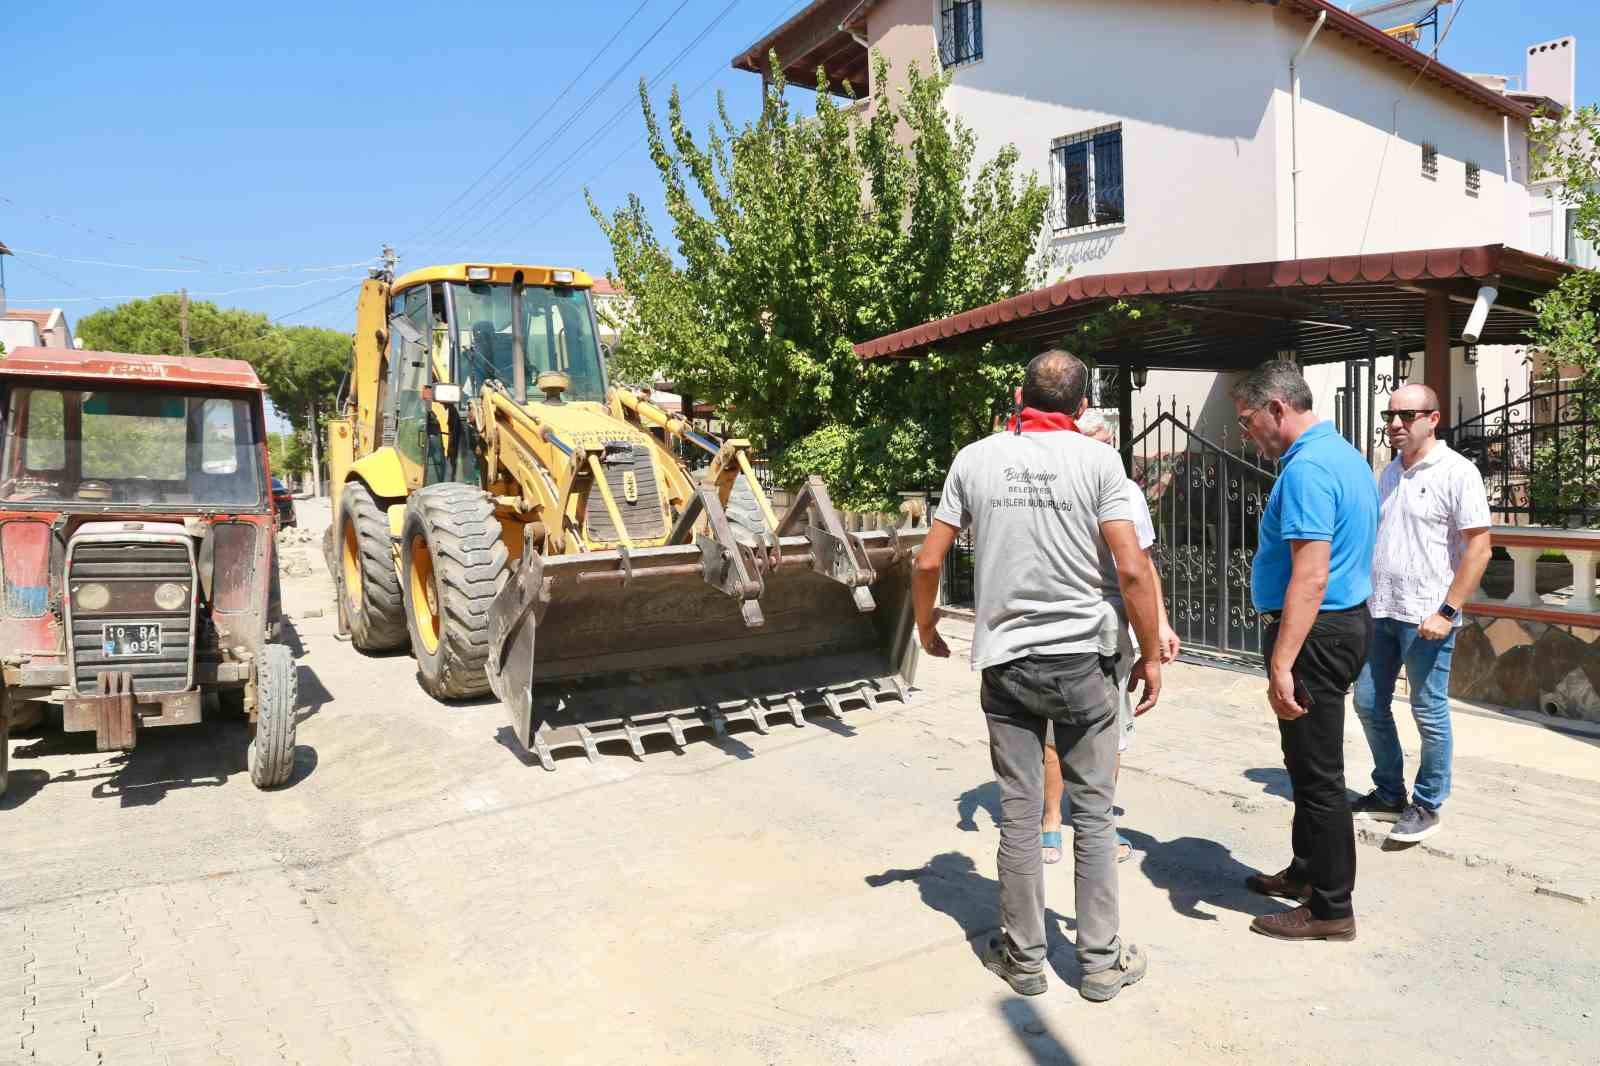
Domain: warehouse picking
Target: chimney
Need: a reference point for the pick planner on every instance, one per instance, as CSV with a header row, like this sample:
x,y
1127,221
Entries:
x,y
1553,70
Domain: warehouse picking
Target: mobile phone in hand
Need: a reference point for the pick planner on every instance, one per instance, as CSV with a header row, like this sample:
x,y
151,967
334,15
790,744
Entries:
x,y
1302,695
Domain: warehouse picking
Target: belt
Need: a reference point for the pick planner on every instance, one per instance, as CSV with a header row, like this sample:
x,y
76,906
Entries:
x,y
1272,618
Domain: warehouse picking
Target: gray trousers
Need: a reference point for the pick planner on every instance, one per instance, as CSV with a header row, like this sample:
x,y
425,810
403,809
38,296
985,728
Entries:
x,y
1072,692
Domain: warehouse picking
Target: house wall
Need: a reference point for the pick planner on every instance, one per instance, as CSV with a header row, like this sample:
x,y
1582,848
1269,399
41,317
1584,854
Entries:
x,y
16,334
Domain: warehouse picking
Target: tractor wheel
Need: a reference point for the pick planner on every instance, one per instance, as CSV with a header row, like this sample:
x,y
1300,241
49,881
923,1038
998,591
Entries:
x,y
373,603
454,561
744,513
271,753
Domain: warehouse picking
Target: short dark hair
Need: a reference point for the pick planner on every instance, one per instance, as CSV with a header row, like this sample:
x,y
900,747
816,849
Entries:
x,y
1055,381
1278,379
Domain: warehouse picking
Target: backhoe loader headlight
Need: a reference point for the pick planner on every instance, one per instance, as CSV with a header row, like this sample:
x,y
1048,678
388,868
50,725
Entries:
x,y
91,596
479,273
447,394
562,277
170,596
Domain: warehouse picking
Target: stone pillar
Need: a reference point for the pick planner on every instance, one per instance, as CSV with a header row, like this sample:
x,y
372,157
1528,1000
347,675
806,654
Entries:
x,y
1583,564
1524,577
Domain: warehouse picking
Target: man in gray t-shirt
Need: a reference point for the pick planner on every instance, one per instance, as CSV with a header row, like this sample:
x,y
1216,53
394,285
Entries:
x,y
1050,517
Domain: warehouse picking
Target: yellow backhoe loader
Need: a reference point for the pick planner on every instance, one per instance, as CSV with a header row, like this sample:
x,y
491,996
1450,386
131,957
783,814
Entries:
x,y
527,528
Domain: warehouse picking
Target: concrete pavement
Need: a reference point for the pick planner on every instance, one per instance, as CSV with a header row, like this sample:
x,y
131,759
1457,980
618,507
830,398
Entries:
x,y
418,894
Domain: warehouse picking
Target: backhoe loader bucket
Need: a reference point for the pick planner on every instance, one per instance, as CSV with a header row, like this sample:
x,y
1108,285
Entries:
x,y
620,645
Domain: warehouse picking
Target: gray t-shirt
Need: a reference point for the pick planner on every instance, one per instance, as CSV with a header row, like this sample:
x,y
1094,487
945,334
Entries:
x,y
1036,501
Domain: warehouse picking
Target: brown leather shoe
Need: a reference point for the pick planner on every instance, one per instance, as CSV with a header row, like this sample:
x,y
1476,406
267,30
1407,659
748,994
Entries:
x,y
1279,885
1299,924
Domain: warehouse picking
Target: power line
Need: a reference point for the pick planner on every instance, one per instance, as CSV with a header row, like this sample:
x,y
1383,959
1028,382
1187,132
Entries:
x,y
174,292
285,317
195,270
483,201
534,124
610,122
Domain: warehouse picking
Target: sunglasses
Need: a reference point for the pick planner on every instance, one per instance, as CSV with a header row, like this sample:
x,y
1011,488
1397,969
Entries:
x,y
1406,416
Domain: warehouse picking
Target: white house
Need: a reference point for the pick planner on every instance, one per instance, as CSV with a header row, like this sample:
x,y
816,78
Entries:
x,y
35,329
1175,133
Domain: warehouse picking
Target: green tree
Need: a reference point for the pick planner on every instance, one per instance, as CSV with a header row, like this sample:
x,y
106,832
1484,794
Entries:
x,y
797,237
154,327
1565,474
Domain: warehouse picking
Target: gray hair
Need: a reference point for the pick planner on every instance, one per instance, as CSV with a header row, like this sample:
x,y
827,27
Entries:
x,y
1055,380
1277,379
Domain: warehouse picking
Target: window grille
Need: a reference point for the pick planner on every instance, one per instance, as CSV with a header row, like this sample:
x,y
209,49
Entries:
x,y
960,31
1474,179
1430,161
1086,179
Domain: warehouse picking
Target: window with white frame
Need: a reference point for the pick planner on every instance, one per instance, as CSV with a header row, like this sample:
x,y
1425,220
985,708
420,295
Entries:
x,y
1086,179
960,31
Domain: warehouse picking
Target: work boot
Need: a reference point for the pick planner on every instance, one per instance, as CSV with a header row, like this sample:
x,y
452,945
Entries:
x,y
1279,885
1300,924
1022,982
1102,985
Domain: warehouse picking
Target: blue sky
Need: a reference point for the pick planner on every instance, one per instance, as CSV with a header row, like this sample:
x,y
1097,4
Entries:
x,y
305,135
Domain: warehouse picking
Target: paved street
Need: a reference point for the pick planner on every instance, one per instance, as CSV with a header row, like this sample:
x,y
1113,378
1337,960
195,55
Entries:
x,y
420,895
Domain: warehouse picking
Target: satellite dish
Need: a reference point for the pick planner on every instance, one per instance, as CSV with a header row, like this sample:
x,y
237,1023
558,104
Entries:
x,y
1403,20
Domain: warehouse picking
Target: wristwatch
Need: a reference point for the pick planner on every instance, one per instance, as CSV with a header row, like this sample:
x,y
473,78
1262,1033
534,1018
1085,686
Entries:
x,y
1447,612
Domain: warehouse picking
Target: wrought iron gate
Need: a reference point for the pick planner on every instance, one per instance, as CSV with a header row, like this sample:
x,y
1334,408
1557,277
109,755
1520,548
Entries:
x,y
1206,502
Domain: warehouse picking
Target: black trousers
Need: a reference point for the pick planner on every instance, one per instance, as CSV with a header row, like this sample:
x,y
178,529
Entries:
x,y
1313,753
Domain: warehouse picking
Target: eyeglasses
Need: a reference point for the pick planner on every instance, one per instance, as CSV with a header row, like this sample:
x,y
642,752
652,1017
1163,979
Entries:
x,y
1244,419
1407,416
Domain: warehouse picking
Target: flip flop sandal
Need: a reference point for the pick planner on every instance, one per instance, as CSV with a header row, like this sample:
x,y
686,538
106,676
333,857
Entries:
x,y
1124,848
1050,847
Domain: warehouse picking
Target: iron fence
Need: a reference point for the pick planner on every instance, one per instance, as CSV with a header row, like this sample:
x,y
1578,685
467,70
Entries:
x,y
1539,454
1206,502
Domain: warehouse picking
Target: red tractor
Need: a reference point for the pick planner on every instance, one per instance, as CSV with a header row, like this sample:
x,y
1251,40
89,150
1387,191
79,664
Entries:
x,y
137,565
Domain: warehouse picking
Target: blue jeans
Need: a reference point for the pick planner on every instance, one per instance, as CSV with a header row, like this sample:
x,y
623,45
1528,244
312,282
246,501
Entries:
x,y
1427,664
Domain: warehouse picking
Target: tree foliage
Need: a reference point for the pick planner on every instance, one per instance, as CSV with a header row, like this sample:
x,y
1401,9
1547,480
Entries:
x,y
1564,477
796,237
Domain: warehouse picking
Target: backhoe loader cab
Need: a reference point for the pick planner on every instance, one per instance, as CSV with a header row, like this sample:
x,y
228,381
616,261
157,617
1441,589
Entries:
x,y
491,485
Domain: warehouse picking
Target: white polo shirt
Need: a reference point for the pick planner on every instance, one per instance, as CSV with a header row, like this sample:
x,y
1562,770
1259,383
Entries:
x,y
1423,514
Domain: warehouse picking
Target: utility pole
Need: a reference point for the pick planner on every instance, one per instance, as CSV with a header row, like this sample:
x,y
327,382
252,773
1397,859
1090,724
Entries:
x,y
316,454
183,317
386,272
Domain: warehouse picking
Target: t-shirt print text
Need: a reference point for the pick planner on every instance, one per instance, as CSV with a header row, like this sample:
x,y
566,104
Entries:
x,y
1030,488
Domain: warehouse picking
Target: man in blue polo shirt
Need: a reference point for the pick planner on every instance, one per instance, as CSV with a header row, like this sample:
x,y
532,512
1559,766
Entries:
x,y
1310,583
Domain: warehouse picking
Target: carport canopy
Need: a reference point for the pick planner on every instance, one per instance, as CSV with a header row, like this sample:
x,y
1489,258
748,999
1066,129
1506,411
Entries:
x,y
1234,317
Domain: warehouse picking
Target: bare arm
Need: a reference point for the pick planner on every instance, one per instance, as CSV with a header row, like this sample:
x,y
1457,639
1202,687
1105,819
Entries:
x,y
1170,645
1141,594
1308,582
1474,561
925,585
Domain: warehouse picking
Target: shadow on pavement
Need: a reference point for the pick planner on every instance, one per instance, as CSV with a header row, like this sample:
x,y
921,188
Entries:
x,y
1193,870
1274,780
951,884
1033,1034
985,796
21,786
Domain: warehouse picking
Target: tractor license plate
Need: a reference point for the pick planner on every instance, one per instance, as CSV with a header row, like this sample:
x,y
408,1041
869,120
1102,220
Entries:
x,y
121,640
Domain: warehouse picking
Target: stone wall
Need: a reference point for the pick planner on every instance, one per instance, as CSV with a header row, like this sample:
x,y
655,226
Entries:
x,y
1529,666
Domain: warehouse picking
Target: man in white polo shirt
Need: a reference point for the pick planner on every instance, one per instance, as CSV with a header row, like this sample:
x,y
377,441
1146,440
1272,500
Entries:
x,y
1431,551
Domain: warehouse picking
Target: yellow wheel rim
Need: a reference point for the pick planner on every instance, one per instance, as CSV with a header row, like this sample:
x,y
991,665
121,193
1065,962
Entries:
x,y
424,601
352,569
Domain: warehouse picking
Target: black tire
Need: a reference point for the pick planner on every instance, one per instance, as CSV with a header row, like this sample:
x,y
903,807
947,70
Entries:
x,y
451,530
5,742
744,513
375,607
271,754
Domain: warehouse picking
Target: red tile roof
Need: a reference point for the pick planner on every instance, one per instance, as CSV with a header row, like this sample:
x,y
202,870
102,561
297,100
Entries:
x,y
604,287
38,318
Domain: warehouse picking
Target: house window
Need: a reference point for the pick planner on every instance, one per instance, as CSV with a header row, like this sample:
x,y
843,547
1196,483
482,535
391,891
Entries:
x,y
960,31
1105,386
1086,179
1474,179
1430,161
1579,251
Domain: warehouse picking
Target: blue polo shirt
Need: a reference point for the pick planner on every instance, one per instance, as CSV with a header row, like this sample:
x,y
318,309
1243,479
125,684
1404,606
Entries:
x,y
1325,491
